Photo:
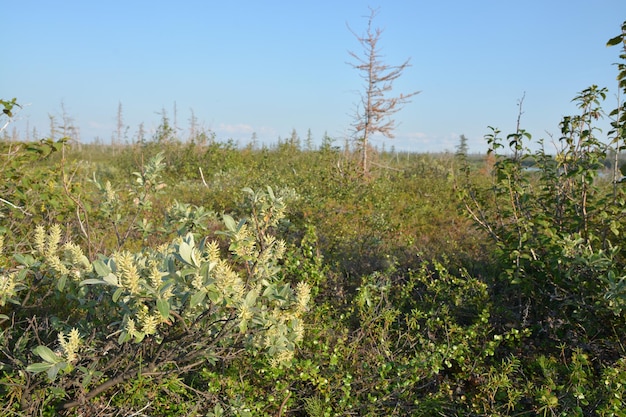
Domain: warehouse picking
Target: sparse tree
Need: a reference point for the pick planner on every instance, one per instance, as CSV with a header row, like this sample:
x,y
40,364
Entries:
x,y
327,143
375,110
462,148
309,140
141,134
120,127
53,126
193,126
294,139
254,141
68,128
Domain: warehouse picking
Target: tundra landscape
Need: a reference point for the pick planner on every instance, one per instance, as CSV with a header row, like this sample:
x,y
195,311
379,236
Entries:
x,y
182,274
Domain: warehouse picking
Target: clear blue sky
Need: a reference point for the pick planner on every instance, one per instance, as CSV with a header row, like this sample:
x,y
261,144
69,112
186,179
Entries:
x,y
272,66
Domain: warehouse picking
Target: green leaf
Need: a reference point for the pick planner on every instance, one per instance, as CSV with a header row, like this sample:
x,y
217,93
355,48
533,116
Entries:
x,y
124,337
61,282
184,252
92,281
101,268
39,367
26,260
615,41
251,297
197,298
117,294
111,279
229,222
164,308
46,354
214,294
54,370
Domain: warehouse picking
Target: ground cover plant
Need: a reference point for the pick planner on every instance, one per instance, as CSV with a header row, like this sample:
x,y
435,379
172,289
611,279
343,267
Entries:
x,y
172,277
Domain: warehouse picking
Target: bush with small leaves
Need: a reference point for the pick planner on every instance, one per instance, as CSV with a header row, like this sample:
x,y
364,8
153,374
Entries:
x,y
82,328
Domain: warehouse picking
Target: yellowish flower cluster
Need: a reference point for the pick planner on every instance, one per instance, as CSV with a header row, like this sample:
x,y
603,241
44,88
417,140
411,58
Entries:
x,y
7,287
197,282
109,193
145,322
76,256
279,249
298,330
78,260
130,328
54,238
245,314
40,240
127,271
148,321
47,245
56,264
303,296
228,281
283,357
70,345
155,276
213,251
244,245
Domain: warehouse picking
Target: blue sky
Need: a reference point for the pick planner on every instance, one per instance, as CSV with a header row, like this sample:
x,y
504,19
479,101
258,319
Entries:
x,y
273,66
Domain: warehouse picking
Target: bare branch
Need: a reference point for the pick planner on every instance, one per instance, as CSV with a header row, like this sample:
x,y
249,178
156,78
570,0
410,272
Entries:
x,y
373,114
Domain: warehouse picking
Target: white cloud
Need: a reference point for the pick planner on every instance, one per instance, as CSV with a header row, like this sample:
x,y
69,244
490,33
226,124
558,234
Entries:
x,y
235,129
245,130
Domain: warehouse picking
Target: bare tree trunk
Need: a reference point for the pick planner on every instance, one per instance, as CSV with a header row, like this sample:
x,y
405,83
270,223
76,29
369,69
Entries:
x,y
373,113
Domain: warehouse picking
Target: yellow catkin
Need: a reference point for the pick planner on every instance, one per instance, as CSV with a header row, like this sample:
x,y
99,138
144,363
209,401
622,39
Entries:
x,y
70,345
128,272
7,287
76,256
54,238
110,194
155,275
282,358
303,295
213,251
40,240
56,265
245,313
131,328
147,321
298,331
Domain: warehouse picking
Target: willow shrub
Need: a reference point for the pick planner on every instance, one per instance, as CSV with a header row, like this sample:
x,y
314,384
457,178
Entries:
x,y
558,230
75,329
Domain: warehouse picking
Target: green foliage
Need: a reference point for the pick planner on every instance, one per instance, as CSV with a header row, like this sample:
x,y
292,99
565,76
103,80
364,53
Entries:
x,y
558,236
174,308
166,278
8,107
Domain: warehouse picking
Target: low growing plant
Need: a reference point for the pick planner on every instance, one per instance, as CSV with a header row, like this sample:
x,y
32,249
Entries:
x,y
75,329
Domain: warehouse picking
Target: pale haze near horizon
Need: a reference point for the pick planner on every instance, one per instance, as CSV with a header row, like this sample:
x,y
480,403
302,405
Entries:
x,y
271,67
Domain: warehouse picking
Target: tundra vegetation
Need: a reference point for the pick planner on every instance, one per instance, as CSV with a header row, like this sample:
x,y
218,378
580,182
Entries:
x,y
192,277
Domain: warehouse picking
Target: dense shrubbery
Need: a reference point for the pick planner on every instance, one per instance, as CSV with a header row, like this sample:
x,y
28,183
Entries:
x,y
127,287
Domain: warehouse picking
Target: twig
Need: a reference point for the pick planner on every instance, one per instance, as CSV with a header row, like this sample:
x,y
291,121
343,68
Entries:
x,y
14,206
386,167
282,405
139,412
202,176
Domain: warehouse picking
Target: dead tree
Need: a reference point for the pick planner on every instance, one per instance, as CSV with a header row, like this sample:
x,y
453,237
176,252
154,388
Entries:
x,y
375,109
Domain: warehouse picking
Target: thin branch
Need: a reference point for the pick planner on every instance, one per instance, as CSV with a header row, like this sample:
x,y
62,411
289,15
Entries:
x,y
202,176
15,207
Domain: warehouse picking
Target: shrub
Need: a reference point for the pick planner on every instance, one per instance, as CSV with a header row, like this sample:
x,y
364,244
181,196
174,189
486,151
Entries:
x,y
75,329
